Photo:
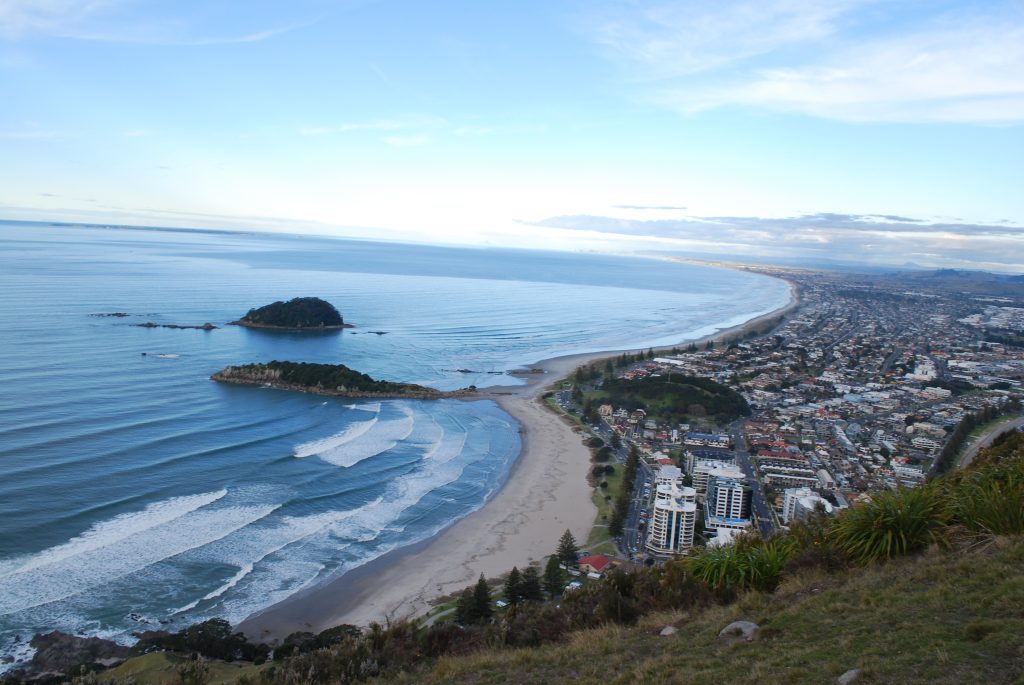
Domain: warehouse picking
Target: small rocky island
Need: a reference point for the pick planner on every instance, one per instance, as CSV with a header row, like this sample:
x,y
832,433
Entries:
x,y
325,379
299,314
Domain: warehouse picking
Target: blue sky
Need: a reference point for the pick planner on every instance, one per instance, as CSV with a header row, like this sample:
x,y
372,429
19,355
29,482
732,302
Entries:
x,y
708,127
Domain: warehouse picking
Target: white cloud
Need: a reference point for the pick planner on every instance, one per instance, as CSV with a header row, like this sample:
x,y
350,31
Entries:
x,y
954,67
408,141
125,21
691,36
403,123
31,134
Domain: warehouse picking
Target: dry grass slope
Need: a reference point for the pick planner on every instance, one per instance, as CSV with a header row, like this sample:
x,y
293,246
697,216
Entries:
x,y
937,618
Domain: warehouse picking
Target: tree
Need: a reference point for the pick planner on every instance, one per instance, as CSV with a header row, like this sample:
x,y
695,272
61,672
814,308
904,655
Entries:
x,y
567,548
554,577
513,586
616,440
588,410
465,610
482,599
529,587
616,525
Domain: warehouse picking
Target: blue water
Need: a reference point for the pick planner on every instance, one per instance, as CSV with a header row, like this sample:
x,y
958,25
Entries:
x,y
134,492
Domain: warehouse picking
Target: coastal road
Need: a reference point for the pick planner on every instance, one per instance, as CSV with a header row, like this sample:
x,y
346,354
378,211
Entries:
x,y
986,438
760,512
631,527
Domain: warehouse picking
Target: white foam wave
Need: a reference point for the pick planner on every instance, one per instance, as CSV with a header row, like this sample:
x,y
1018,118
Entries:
x,y
368,406
111,531
386,436
446,450
50,577
280,576
350,433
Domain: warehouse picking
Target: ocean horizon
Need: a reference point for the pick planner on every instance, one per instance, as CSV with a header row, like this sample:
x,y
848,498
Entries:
x,y
137,494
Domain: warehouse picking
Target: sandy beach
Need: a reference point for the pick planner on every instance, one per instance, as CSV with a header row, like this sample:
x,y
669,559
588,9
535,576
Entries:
x,y
546,493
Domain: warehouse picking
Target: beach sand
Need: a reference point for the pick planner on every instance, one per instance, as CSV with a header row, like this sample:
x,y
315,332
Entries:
x,y
546,493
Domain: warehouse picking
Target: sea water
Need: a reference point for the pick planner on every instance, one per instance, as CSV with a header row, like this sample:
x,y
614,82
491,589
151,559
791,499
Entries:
x,y
137,494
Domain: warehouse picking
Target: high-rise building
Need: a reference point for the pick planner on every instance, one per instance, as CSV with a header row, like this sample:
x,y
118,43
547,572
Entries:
x,y
702,470
797,503
674,515
728,499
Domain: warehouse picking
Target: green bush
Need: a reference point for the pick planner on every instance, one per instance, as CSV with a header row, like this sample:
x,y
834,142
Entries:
x,y
891,524
747,564
989,498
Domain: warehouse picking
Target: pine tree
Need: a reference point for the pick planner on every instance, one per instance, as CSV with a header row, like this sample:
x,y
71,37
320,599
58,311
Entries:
x,y
554,577
465,610
514,586
567,548
529,587
482,600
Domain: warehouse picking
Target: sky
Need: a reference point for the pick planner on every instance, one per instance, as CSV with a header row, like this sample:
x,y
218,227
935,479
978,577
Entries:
x,y
862,130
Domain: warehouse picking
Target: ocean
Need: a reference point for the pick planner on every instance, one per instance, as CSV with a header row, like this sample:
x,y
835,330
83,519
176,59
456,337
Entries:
x,y
137,494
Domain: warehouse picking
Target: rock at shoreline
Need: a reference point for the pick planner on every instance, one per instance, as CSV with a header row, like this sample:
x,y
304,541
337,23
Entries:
x,y
59,652
150,324
298,314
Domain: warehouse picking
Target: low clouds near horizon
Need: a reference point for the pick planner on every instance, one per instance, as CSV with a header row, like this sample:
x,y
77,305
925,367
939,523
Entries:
x,y
823,237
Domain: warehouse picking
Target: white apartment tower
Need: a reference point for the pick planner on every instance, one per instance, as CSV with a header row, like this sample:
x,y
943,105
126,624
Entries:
x,y
674,515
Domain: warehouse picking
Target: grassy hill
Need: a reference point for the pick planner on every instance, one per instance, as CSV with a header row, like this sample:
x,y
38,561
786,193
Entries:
x,y
159,668
939,618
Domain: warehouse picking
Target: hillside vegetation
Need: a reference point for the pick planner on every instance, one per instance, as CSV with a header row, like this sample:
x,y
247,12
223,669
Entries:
x,y
298,313
327,379
673,397
932,619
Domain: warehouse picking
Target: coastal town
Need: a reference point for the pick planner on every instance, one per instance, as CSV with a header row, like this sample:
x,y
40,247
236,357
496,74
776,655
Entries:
x,y
870,384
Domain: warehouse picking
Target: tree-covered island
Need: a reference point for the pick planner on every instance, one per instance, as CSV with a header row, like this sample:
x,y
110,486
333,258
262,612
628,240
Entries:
x,y
324,379
298,314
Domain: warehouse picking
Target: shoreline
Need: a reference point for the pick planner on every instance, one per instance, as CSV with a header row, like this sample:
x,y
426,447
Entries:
x,y
545,493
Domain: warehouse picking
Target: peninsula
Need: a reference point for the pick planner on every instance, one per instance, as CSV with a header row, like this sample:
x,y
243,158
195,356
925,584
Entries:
x,y
325,379
298,314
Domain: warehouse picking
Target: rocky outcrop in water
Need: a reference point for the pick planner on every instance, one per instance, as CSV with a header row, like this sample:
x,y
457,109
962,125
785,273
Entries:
x,y
59,653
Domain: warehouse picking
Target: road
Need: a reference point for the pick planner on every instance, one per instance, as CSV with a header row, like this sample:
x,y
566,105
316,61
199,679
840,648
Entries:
x,y
986,438
761,513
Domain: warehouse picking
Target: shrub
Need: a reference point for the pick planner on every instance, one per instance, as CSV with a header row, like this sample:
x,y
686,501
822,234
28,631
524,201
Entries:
x,y
990,497
891,524
814,545
747,564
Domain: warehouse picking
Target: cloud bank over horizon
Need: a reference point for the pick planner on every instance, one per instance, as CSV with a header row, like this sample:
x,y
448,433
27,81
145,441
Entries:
x,y
823,238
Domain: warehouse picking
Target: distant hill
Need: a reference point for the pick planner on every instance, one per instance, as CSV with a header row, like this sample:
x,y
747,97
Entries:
x,y
964,280
301,313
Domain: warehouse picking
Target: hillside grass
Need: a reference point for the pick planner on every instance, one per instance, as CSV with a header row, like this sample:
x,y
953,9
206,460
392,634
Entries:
x,y
936,618
159,668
